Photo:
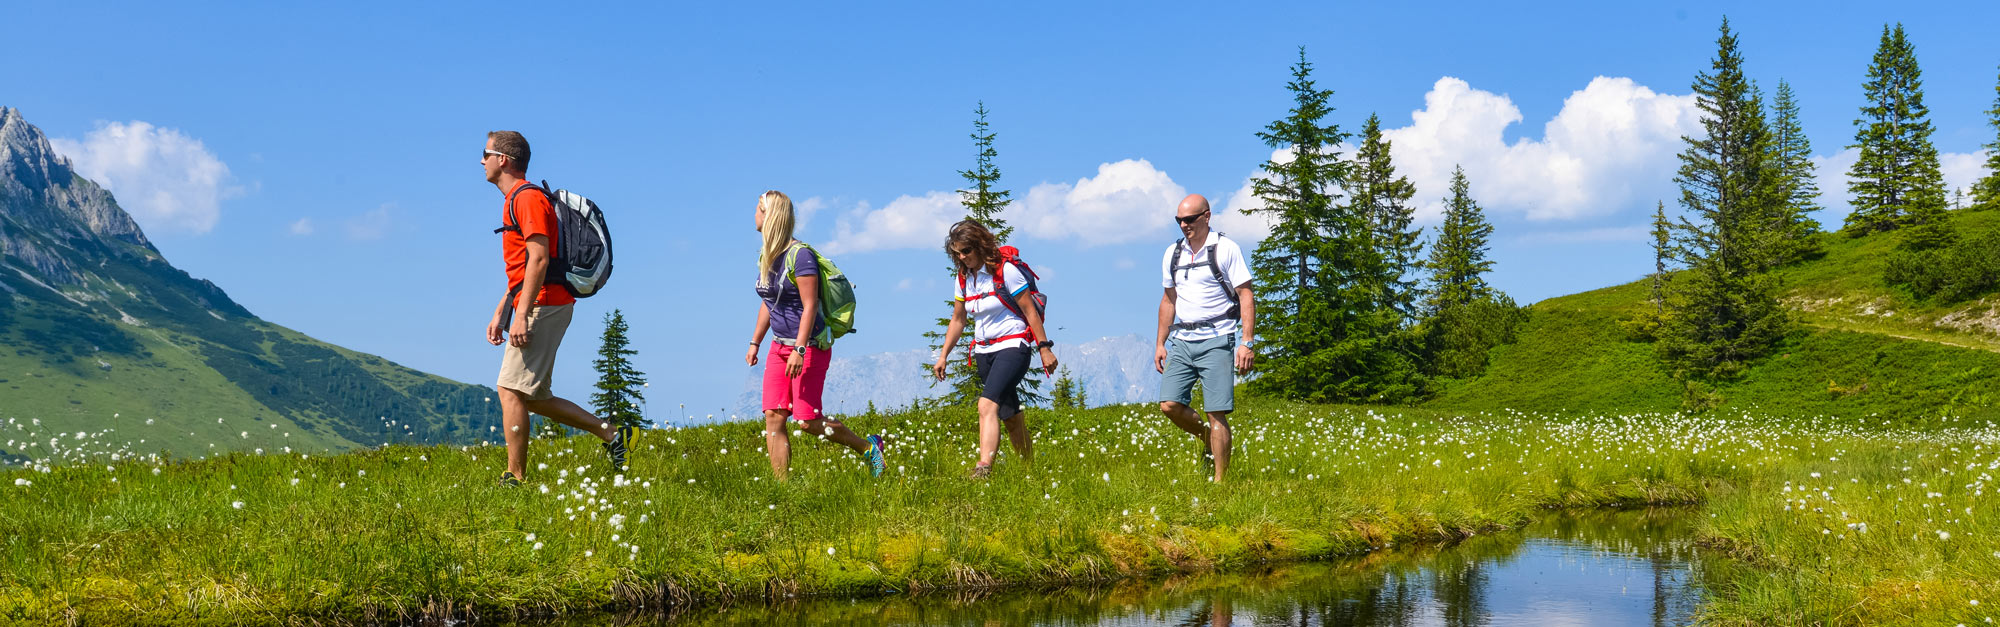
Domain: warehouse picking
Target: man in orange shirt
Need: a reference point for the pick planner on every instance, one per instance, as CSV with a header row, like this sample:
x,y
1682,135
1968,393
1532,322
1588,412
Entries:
x,y
528,234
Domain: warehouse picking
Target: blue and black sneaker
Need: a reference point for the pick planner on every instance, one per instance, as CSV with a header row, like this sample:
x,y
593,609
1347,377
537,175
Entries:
x,y
508,480
618,446
874,456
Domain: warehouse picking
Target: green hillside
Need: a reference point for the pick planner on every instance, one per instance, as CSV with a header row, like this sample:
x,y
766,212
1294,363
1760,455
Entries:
x,y
1861,348
99,334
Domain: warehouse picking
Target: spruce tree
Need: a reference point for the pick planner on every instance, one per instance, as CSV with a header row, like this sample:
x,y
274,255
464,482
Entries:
x,y
620,386
1986,193
1458,263
1896,181
1662,251
1464,317
1792,234
1382,198
983,200
1725,312
1064,395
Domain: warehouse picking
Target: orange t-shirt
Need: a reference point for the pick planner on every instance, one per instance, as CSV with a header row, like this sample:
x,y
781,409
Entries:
x,y
537,217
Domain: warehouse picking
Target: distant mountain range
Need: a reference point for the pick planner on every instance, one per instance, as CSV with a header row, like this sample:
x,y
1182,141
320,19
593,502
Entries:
x,y
99,333
1111,370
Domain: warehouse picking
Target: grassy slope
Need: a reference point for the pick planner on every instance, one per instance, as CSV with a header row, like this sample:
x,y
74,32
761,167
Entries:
x,y
409,532
1573,356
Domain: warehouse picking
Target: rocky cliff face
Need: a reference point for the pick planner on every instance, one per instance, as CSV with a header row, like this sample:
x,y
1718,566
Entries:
x,y
50,217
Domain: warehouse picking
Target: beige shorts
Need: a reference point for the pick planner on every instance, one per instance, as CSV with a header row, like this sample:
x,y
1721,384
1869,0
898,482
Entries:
x,y
530,369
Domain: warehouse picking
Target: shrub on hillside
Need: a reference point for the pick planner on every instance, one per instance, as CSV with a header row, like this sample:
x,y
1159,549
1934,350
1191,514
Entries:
x,y
1458,338
1963,271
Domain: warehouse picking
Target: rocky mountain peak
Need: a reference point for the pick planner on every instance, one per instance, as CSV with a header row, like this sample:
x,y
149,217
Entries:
x,y
49,216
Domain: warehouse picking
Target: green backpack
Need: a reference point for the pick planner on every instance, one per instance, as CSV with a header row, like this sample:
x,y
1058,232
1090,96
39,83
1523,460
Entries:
x,y
836,295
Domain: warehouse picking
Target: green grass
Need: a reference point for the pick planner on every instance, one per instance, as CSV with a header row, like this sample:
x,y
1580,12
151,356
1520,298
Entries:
x,y
1115,492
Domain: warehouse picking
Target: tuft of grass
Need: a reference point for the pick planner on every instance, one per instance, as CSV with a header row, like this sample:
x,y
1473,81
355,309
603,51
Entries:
x,y
407,532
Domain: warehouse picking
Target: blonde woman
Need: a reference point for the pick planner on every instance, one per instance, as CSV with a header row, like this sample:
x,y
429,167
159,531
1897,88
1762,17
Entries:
x,y
795,369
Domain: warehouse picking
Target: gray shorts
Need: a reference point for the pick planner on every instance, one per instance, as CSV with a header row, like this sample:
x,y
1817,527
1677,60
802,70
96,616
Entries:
x,y
1212,361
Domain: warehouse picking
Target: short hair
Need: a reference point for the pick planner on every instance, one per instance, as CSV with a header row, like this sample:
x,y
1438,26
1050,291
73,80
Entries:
x,y
512,144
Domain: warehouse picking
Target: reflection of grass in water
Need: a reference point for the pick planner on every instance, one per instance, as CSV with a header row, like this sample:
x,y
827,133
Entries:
x,y
1116,493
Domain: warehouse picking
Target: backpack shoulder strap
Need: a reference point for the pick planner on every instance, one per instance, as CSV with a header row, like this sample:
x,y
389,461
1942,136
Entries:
x,y
512,223
1174,264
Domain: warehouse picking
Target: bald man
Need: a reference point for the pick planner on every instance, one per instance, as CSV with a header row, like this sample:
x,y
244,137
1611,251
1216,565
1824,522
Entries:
x,y
1208,300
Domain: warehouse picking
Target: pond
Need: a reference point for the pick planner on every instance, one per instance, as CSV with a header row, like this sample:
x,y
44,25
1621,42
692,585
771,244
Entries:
x,y
1636,567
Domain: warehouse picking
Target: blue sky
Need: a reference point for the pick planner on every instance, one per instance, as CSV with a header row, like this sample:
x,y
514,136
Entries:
x,y
318,163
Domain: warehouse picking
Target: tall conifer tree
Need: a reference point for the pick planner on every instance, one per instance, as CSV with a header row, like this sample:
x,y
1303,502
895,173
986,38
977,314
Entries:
x,y
984,200
1382,198
1662,251
1986,193
620,386
1725,312
1896,181
1793,234
1458,263
1463,315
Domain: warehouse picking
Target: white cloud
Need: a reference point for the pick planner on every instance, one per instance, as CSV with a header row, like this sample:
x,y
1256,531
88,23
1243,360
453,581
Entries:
x,y
905,284
303,226
373,224
802,213
165,179
1612,145
1124,263
1230,217
906,222
1961,170
1127,200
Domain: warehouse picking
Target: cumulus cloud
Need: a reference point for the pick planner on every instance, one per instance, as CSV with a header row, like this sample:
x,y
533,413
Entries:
x,y
304,226
906,222
1126,201
168,181
1612,145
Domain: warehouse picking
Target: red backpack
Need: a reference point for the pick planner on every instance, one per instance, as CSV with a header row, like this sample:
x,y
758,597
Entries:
x,y
1010,256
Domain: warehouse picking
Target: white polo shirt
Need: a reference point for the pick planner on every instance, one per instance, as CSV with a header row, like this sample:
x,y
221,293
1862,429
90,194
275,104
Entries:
x,y
990,317
1197,295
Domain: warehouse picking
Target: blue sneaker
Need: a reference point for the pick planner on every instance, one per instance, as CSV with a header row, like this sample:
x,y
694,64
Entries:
x,y
874,456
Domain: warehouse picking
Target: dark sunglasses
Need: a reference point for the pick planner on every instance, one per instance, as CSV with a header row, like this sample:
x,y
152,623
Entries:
x,y
1190,219
490,153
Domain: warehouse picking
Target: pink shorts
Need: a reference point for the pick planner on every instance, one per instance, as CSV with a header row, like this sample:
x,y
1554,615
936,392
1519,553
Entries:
x,y
801,395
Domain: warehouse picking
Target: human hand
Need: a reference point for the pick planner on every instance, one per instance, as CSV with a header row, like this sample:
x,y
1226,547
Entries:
x,y
493,335
1048,361
797,363
750,357
1160,359
938,368
1244,357
517,333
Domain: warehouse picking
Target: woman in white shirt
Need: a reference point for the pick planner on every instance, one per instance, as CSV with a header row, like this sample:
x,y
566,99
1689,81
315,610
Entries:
x,y
1004,331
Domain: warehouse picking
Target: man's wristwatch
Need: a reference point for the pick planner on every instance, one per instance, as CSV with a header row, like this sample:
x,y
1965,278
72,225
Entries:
x,y
1045,344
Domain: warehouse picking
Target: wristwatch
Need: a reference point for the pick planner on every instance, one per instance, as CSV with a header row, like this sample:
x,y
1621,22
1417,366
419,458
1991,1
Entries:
x,y
1045,344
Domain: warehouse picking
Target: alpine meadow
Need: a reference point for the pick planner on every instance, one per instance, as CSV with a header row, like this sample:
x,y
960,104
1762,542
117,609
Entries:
x,y
1812,393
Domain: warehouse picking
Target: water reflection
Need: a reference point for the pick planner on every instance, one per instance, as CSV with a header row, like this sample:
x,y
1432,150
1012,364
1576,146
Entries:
x,y
1611,568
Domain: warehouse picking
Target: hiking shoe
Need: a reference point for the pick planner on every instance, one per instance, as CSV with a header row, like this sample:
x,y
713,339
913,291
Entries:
x,y
982,472
508,480
617,447
874,456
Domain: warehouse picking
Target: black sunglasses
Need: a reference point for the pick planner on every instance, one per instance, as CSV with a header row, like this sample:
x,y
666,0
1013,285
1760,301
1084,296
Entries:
x,y
1190,219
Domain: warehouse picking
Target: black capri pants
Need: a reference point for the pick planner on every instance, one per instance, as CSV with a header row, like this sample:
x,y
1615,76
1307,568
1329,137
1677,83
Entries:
x,y
1000,374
